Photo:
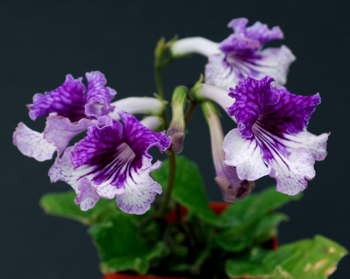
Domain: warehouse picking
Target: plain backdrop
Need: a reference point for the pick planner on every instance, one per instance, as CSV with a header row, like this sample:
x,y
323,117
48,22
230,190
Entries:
x,y
41,41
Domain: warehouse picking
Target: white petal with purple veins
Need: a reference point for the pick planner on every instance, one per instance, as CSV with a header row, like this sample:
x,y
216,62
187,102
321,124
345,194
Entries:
x,y
32,143
317,145
219,74
140,190
297,168
245,155
275,62
63,170
108,191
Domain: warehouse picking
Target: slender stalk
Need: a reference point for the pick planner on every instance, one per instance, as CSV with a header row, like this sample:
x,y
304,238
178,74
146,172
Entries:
x,y
160,90
159,81
171,182
190,111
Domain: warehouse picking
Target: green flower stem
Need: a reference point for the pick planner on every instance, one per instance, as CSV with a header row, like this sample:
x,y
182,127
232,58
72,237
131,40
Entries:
x,y
191,109
171,182
160,90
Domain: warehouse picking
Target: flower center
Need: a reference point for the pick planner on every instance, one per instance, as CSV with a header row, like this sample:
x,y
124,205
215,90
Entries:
x,y
114,167
270,144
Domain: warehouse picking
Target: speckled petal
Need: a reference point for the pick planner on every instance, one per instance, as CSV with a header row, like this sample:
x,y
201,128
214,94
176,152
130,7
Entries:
x,y
63,170
140,191
245,155
32,143
293,170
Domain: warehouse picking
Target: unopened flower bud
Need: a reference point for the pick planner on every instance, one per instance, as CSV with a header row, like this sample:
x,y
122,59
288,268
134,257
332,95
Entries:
x,y
227,179
176,130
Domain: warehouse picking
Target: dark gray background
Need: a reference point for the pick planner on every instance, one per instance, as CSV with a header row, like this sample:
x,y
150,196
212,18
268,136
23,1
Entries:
x,y
41,41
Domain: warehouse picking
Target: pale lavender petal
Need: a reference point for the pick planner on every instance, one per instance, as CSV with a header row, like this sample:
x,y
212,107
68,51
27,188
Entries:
x,y
262,33
98,95
140,191
238,24
86,195
60,130
32,143
245,155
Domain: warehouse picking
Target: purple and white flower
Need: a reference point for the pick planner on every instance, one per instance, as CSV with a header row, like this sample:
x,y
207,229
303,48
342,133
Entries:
x,y
240,55
271,138
113,162
71,108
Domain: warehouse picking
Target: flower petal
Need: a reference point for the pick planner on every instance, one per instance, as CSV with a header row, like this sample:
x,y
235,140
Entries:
x,y
98,95
32,143
67,100
293,174
140,191
293,170
262,33
60,130
275,62
86,195
316,145
219,74
245,155
63,170
141,138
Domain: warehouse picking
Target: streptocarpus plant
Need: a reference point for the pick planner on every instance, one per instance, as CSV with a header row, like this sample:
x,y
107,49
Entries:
x,y
148,216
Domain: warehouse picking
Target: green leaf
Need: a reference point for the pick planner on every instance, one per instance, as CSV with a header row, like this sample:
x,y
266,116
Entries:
x,y
253,221
121,247
315,258
63,205
255,206
189,189
136,262
242,237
